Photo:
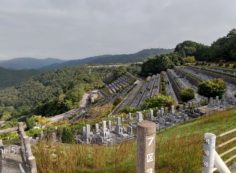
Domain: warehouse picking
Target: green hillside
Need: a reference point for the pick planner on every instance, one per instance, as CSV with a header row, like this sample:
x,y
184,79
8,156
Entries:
x,y
12,77
52,92
178,150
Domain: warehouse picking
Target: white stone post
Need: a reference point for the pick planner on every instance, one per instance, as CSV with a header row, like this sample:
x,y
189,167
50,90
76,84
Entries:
x,y
151,115
162,111
118,121
172,109
104,126
209,153
109,125
87,132
130,116
96,128
84,132
139,116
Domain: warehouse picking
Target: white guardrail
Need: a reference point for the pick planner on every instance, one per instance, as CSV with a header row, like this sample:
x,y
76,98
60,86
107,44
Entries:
x,y
212,161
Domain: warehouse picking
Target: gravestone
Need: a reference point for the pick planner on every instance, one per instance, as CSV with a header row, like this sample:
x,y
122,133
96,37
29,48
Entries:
x,y
139,116
172,109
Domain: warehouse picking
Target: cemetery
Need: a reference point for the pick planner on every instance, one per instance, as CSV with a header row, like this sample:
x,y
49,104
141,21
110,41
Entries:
x,y
134,91
117,87
119,127
123,128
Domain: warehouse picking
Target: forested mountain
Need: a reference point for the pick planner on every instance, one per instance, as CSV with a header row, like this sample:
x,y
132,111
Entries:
x,y
109,59
28,63
12,77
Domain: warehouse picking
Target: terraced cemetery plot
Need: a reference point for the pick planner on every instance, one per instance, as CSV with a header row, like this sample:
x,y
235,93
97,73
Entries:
x,y
217,74
179,82
149,88
224,70
193,79
120,83
129,97
168,87
207,74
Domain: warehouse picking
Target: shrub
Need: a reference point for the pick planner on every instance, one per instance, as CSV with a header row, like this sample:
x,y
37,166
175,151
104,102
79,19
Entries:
x,y
158,100
117,101
34,132
129,109
221,64
190,59
227,65
100,111
30,122
234,66
67,135
212,88
187,94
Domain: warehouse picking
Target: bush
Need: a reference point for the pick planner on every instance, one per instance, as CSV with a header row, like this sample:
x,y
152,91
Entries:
x,y
234,66
187,94
30,122
67,136
117,101
212,88
159,101
221,64
129,109
190,59
227,65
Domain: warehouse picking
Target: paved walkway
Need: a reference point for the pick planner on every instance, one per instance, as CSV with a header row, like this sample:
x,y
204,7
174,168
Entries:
x,y
11,159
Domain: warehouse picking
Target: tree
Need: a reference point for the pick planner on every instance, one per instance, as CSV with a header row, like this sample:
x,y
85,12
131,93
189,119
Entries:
x,y
159,101
190,48
212,88
187,94
159,63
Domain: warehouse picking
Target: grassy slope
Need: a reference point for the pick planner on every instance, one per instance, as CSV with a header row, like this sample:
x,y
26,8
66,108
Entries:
x,y
179,150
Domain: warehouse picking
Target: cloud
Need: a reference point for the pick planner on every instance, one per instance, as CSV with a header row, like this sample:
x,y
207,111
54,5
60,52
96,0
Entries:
x,y
80,28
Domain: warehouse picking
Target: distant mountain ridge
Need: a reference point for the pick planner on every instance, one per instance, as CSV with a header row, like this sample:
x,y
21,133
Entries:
x,y
120,58
28,63
52,63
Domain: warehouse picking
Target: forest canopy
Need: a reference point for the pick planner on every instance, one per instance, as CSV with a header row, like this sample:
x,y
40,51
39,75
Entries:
x,y
223,49
50,93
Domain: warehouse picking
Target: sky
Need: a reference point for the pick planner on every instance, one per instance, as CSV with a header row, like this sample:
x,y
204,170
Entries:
x,y
74,29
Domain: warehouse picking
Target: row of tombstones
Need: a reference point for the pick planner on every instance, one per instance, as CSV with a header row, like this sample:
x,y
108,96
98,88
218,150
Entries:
x,y
225,101
108,133
105,132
